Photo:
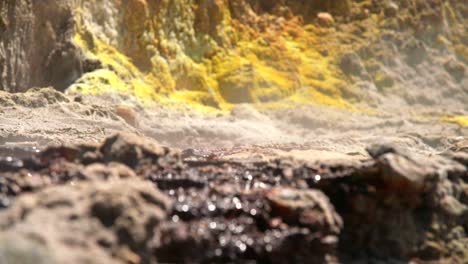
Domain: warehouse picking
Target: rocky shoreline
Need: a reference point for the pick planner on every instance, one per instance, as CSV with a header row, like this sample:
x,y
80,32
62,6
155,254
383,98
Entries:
x,y
131,200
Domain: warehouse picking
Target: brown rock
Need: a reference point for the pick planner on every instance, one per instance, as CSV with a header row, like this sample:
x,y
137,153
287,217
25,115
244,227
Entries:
x,y
131,149
128,114
325,19
411,172
391,9
306,208
112,171
89,222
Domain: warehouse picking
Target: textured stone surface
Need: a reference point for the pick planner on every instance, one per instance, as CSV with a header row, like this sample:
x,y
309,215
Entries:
x,y
71,203
95,222
216,53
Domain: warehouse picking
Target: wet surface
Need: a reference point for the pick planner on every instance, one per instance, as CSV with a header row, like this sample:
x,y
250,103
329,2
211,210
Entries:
x,y
271,211
19,150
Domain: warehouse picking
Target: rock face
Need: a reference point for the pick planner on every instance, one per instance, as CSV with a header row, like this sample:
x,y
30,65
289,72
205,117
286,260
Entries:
x,y
35,45
130,200
222,52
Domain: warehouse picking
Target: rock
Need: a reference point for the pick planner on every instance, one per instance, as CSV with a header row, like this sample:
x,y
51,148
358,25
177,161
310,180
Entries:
x,y
110,172
350,63
33,98
455,68
391,9
432,250
453,207
131,149
128,114
23,250
305,208
415,51
55,60
461,157
411,173
89,222
384,80
325,19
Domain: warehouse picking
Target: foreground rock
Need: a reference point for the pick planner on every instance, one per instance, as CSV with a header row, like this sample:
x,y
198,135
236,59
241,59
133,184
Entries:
x,y
91,222
130,200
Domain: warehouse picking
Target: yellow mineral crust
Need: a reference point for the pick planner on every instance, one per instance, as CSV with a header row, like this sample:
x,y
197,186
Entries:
x,y
213,54
198,54
460,120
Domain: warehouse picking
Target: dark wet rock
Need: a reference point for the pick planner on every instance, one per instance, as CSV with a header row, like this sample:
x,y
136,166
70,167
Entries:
x,y
401,207
396,206
86,222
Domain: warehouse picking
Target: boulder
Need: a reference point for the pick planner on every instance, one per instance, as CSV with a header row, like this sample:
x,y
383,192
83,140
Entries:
x,y
87,222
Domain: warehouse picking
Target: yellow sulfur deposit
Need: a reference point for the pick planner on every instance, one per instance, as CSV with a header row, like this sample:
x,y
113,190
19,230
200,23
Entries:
x,y
460,120
209,53
213,54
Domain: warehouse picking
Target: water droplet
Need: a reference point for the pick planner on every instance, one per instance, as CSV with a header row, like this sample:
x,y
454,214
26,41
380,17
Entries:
x,y
242,247
213,225
222,241
211,207
175,218
317,178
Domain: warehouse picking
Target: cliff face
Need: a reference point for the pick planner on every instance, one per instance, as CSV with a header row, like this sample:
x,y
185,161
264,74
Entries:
x,y
220,52
35,45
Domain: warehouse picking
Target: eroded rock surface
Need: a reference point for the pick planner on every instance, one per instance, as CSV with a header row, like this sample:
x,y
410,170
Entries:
x,y
217,53
89,203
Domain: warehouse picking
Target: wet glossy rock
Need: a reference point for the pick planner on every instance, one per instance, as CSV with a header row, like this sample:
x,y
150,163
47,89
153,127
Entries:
x,y
395,206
